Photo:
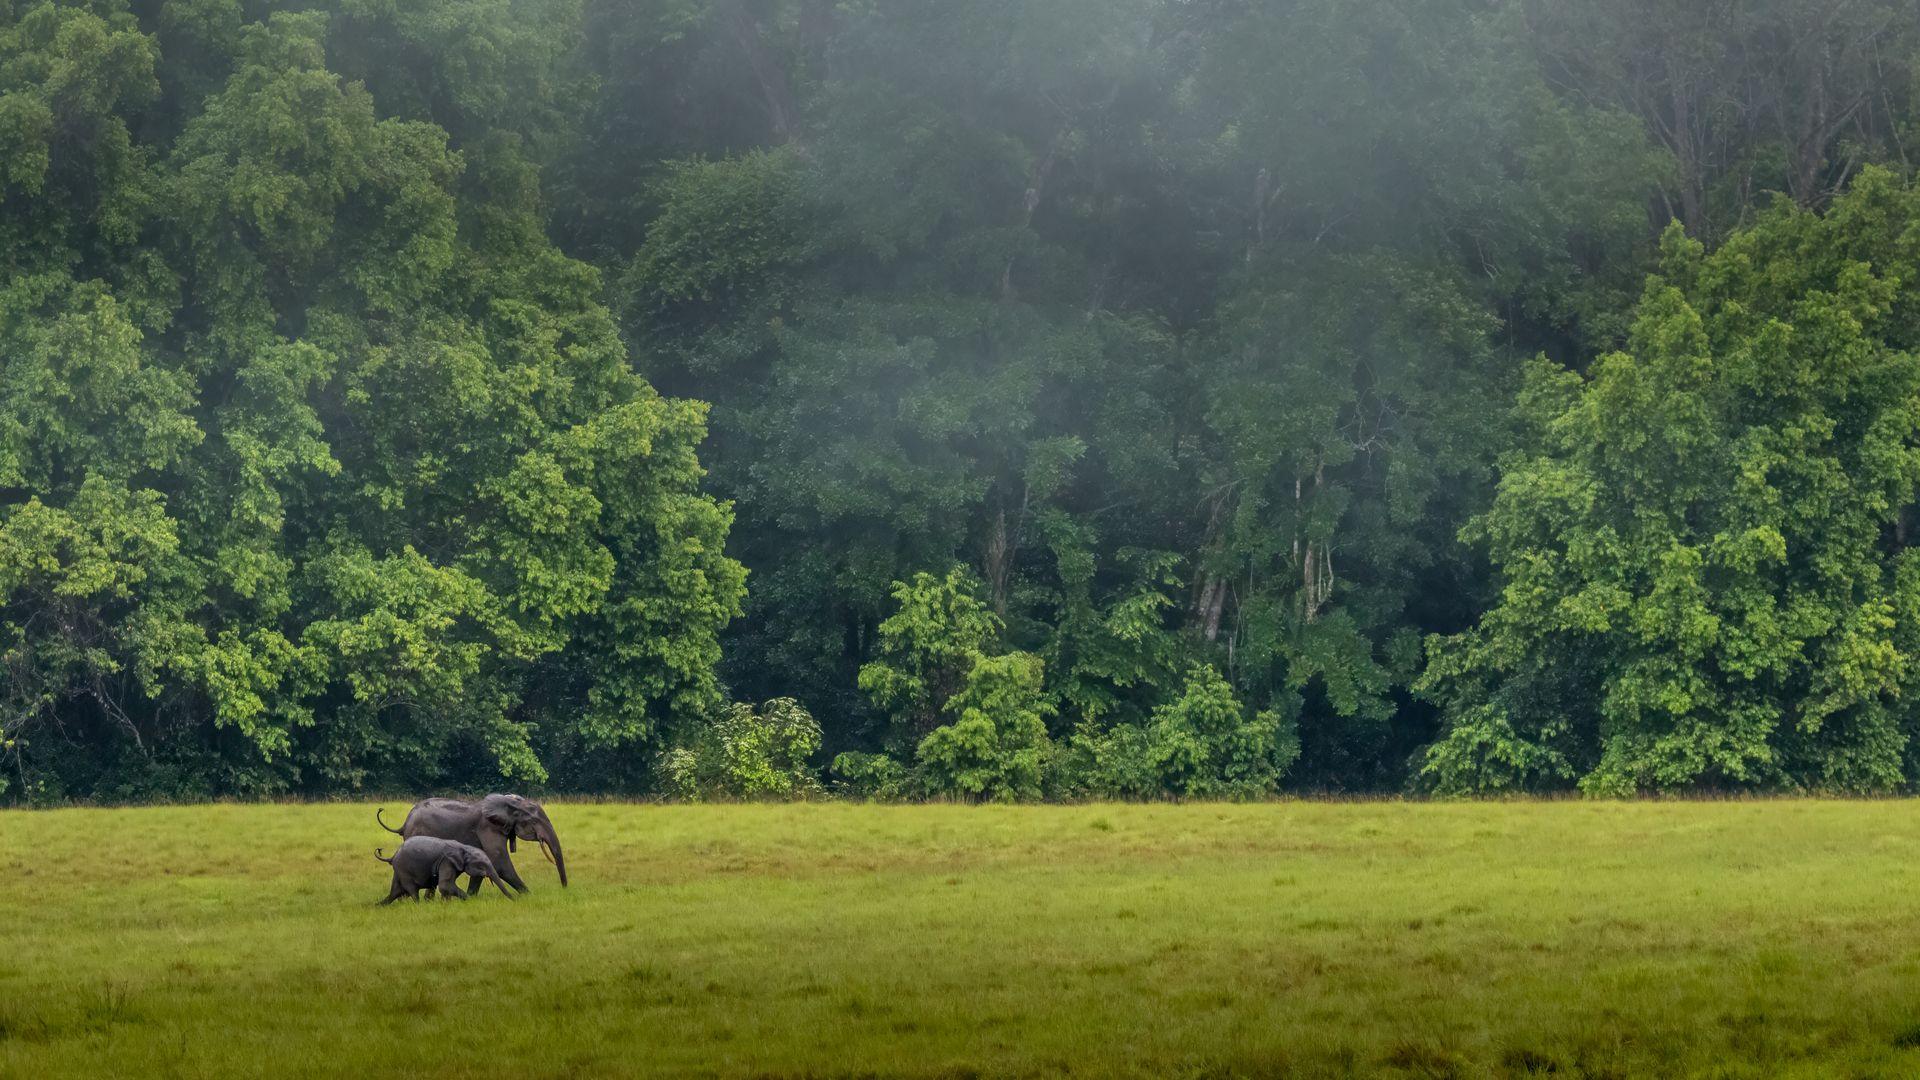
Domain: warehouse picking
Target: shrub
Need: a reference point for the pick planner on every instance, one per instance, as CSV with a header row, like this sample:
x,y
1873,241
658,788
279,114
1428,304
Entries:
x,y
746,753
997,744
871,776
927,651
1202,744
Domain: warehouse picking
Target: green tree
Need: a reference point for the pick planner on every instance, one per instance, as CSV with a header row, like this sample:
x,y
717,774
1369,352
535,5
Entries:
x,y
975,723
927,652
1702,543
996,746
1200,744
318,464
746,753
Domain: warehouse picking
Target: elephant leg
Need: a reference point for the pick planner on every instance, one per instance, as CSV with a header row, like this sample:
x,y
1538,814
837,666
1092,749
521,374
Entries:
x,y
505,866
450,882
394,893
473,884
495,845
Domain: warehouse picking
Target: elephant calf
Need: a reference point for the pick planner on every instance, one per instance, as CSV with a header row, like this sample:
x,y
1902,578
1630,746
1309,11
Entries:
x,y
425,862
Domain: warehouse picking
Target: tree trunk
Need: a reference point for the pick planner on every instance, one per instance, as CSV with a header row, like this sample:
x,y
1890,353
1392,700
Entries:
x,y
1685,144
999,560
776,92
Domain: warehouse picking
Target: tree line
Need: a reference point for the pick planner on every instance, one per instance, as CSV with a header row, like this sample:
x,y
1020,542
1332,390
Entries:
x,y
958,398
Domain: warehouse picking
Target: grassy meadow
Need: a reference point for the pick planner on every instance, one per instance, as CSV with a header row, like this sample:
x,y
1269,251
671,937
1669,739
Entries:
x,y
1757,939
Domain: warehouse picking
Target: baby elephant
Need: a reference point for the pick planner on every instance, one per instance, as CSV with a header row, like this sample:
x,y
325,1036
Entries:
x,y
424,862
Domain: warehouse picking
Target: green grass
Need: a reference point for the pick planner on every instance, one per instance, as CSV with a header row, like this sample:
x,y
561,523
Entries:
x,y
1762,939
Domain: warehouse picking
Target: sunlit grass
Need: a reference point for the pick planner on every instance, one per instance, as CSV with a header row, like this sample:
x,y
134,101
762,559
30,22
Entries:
x,y
1605,940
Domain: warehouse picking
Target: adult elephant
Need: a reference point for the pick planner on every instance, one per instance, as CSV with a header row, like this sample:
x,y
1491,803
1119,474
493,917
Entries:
x,y
493,825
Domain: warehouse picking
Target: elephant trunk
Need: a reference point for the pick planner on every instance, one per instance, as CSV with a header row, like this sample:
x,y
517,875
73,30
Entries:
x,y
550,847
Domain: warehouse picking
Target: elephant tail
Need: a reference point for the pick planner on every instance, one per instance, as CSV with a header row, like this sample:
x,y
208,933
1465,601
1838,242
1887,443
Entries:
x,y
383,822
381,854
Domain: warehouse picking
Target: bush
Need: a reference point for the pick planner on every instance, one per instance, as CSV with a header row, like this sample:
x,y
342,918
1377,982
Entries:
x,y
927,652
997,744
1200,745
975,724
871,776
1106,765
746,754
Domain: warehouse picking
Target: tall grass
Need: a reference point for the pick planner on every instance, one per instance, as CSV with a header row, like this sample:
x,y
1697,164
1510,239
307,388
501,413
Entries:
x,y
1766,939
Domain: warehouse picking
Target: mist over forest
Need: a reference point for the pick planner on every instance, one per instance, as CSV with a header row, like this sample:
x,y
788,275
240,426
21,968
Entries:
x,y
958,399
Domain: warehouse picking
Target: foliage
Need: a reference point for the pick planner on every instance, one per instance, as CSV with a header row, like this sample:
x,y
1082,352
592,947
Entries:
x,y
1155,341
928,651
975,723
319,465
1201,744
871,776
1111,660
744,753
397,393
1706,578
995,747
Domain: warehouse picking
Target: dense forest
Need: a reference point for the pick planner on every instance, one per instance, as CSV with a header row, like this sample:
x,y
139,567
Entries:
x,y
997,399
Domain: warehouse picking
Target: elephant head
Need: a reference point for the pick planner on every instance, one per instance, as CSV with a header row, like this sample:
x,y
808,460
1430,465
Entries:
x,y
473,861
518,818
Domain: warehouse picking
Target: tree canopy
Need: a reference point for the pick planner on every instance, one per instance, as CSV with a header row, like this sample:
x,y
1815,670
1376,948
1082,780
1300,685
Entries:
x,y
1022,398
322,466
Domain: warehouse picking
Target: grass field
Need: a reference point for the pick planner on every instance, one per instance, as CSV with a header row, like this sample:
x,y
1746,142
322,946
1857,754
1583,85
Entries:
x,y
1762,939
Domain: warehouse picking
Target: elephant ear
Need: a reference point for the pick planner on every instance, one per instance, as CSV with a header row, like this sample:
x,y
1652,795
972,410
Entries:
x,y
498,813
